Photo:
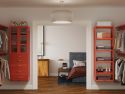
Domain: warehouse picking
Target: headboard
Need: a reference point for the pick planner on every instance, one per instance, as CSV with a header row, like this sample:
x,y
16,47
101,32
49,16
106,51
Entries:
x,y
81,56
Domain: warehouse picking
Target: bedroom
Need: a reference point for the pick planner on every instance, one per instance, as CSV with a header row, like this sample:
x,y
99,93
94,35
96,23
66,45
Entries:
x,y
61,42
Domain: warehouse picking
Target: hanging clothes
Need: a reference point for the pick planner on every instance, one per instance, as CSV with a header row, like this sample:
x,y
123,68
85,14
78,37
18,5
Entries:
x,y
4,70
120,70
120,54
123,77
1,42
120,41
117,67
5,49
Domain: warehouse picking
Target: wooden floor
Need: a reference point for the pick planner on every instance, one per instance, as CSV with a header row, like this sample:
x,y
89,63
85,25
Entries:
x,y
50,86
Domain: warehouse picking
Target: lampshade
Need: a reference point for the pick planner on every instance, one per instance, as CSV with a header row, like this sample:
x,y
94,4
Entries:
x,y
61,17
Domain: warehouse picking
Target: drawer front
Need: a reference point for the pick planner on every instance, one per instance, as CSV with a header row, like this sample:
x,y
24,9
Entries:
x,y
19,71
19,78
19,59
19,67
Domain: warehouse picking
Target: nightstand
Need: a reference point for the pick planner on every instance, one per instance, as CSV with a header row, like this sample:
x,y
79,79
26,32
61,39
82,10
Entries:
x,y
62,75
43,67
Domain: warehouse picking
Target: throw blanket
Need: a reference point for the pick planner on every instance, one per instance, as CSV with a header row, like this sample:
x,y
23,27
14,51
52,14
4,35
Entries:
x,y
77,72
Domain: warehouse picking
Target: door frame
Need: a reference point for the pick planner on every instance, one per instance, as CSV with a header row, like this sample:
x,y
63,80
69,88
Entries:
x,y
89,51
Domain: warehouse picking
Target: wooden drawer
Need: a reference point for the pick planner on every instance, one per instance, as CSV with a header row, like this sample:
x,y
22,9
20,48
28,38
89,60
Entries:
x,y
19,69
19,78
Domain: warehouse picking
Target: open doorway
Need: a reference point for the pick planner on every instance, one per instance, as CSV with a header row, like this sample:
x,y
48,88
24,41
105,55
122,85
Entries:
x,y
65,53
88,26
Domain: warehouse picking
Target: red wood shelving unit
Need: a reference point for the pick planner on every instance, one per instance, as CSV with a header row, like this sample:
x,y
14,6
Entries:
x,y
19,53
103,69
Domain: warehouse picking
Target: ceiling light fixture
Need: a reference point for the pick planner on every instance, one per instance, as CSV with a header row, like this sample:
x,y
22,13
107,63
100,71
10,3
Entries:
x,y
62,16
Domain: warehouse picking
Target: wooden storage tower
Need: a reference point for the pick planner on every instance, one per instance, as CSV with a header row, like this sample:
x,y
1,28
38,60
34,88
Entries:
x,y
103,53
19,53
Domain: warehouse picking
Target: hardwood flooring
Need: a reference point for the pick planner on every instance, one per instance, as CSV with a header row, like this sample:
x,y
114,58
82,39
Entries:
x,y
50,86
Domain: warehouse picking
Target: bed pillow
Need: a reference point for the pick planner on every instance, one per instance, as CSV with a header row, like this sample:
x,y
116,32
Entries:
x,y
77,63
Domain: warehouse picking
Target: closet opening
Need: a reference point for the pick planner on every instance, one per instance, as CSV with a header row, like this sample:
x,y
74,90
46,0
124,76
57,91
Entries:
x,y
64,58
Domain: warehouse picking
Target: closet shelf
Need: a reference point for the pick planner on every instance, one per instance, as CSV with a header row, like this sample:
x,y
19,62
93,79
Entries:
x,y
3,27
103,73
120,54
103,61
104,27
104,38
103,54
104,80
104,50
121,28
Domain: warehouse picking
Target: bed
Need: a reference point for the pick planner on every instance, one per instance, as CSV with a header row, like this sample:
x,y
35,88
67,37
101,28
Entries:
x,y
79,72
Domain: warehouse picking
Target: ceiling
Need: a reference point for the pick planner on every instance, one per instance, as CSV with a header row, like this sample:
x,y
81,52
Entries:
x,y
56,3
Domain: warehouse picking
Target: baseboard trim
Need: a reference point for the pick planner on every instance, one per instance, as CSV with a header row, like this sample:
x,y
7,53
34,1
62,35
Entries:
x,y
53,74
106,87
17,87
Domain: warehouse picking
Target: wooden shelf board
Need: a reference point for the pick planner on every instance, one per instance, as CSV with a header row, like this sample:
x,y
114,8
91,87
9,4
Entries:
x,y
104,50
104,61
121,53
104,27
104,73
103,38
104,80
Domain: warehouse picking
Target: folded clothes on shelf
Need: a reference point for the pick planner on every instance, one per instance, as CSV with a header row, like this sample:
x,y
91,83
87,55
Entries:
x,y
103,47
104,77
103,58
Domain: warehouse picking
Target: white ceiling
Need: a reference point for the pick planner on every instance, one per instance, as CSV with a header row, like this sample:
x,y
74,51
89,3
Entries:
x,y
56,3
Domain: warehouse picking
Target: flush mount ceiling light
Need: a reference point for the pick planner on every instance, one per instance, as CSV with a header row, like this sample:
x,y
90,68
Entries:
x,y
62,16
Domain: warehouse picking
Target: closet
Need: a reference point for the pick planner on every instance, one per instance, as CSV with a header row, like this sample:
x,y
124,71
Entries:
x,y
4,67
109,54
19,53
104,53
120,54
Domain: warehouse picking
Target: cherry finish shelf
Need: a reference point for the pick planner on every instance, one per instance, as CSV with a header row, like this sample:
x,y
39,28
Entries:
x,y
104,27
104,50
104,80
121,53
102,64
103,38
103,73
121,28
103,61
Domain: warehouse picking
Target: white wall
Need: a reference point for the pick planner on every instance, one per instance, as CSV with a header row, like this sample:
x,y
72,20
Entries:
x,y
60,40
116,14
80,14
